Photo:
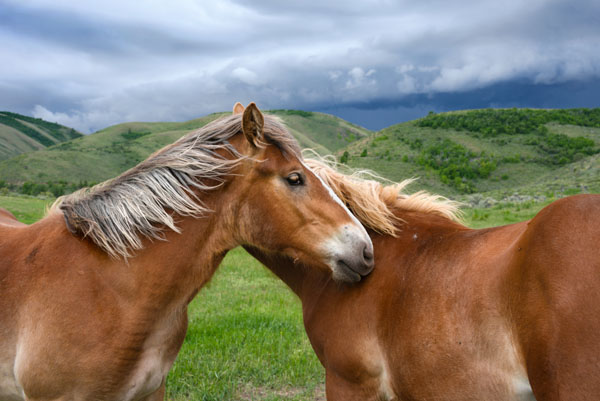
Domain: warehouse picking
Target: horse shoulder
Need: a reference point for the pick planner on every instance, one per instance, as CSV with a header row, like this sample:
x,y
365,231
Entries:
x,y
444,313
43,285
72,287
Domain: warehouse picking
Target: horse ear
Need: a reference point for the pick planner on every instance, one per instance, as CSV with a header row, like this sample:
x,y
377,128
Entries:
x,y
253,124
238,108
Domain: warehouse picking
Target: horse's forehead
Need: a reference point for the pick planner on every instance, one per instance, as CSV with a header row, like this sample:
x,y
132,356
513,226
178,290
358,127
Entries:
x,y
277,156
331,193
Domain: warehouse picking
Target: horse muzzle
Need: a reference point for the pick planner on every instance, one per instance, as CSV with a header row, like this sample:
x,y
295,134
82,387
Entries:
x,y
351,254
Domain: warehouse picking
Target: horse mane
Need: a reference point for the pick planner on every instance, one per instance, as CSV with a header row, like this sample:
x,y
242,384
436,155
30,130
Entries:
x,y
373,203
117,213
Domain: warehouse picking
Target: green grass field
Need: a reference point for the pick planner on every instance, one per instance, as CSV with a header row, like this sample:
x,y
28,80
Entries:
x,y
26,209
246,339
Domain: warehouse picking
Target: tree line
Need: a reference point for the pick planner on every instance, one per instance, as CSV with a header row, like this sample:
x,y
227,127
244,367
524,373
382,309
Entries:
x,y
50,188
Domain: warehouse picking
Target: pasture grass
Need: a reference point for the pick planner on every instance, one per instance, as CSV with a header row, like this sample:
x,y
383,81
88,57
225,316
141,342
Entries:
x,y
26,209
502,214
246,339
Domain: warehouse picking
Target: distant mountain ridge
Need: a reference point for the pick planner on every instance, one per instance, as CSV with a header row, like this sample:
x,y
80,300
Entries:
x,y
493,151
22,134
108,152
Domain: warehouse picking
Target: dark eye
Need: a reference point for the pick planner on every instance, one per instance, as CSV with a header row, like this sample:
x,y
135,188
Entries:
x,y
295,179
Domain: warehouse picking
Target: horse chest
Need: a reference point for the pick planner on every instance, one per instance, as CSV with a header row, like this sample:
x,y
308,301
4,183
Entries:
x,y
406,367
156,358
362,364
448,368
9,388
148,375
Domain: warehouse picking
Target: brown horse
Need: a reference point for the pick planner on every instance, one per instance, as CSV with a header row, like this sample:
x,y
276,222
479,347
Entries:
x,y
93,298
451,313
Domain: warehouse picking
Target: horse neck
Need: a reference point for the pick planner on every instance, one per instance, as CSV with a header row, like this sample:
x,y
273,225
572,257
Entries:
x,y
187,259
309,283
305,281
168,272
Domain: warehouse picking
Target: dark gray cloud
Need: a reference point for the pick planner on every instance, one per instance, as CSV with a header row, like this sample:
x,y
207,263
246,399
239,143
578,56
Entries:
x,y
93,63
381,113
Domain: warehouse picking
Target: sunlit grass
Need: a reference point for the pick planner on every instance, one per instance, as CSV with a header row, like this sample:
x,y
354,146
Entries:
x,y
245,335
502,214
26,209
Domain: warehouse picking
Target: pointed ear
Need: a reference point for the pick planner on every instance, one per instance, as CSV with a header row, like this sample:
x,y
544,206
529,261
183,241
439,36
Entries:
x,y
253,124
238,108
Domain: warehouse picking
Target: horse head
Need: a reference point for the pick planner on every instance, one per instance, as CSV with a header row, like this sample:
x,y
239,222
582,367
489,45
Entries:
x,y
286,209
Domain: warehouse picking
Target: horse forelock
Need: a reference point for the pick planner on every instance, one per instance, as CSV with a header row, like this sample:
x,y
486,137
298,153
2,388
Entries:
x,y
117,213
373,202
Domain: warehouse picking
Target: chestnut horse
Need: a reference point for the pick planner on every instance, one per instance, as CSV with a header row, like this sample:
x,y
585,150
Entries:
x,y
451,313
93,298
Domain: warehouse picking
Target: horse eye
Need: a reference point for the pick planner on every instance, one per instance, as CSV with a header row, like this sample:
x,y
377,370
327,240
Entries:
x,y
295,179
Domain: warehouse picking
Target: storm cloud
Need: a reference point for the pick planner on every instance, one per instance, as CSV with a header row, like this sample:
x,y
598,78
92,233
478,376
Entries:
x,y
90,64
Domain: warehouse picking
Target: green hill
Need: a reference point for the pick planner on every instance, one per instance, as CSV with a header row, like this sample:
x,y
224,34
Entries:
x,y
106,153
494,151
21,134
322,132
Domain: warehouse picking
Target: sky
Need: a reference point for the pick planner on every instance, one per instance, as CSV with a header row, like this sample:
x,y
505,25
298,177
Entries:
x,y
90,64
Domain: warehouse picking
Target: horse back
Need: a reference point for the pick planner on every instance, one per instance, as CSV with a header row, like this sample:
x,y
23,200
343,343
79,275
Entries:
x,y
559,251
9,219
555,290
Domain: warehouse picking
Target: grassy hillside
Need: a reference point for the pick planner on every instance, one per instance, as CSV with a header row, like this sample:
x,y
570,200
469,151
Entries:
x,y
20,134
108,152
322,132
494,151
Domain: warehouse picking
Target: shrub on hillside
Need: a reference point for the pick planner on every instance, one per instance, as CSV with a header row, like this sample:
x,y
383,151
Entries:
x,y
557,149
456,165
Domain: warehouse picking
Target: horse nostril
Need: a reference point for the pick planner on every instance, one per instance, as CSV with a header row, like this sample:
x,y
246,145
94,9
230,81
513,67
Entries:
x,y
368,260
368,253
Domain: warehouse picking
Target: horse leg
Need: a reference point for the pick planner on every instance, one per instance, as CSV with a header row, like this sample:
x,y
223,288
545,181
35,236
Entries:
x,y
338,388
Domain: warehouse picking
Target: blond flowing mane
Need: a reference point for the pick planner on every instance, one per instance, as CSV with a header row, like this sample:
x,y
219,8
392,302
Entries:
x,y
371,202
116,214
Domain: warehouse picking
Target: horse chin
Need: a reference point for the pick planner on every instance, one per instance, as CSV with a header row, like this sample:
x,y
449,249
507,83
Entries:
x,y
349,254
344,274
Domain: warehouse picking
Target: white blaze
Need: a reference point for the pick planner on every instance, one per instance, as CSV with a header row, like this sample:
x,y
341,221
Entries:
x,y
338,200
